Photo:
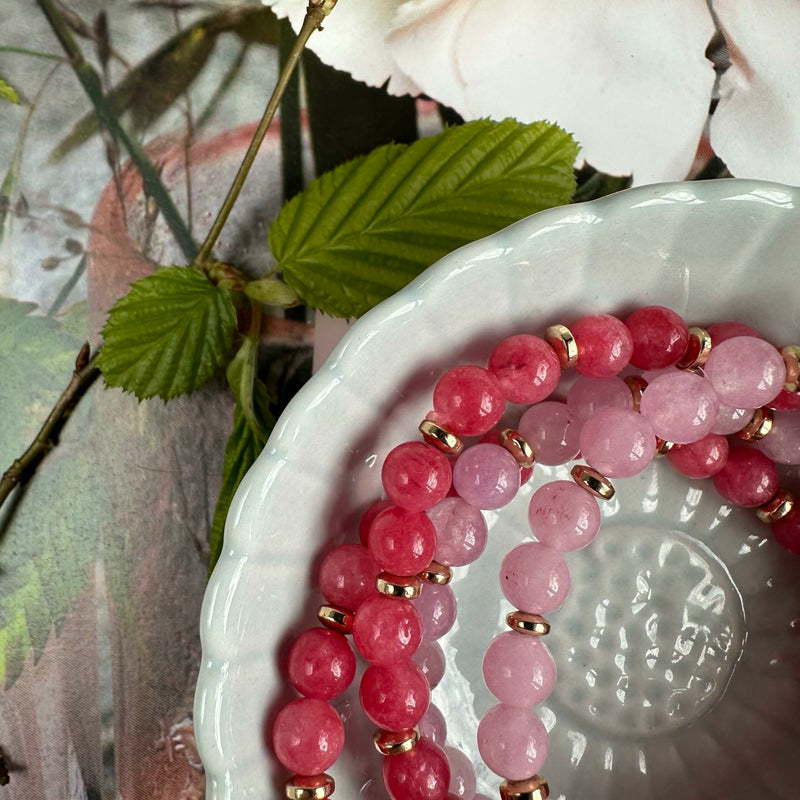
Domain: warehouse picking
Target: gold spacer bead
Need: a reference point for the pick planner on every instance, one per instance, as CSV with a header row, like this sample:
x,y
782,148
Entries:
x,y
637,384
523,622
336,618
591,480
434,434
791,357
310,787
663,446
697,350
437,573
777,508
534,788
759,426
393,743
516,445
560,338
405,586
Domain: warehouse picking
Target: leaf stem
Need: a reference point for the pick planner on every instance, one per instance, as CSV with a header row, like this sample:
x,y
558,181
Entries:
x,y
93,87
316,12
23,467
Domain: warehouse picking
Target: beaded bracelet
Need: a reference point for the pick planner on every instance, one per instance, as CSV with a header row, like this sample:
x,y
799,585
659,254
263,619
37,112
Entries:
x,y
687,400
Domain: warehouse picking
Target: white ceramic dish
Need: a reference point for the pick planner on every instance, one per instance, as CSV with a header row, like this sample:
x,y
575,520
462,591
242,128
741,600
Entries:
x,y
679,648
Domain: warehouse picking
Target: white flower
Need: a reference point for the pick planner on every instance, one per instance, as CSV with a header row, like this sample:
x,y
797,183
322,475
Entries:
x,y
629,78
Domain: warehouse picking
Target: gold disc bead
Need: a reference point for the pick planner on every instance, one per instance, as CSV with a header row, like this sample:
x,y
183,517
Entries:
x,y
405,586
310,787
637,384
591,480
791,357
393,743
663,446
437,573
759,426
434,434
560,338
776,508
519,448
534,788
336,618
531,624
697,350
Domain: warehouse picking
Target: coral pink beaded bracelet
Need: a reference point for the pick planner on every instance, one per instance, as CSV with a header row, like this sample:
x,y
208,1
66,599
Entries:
x,y
726,411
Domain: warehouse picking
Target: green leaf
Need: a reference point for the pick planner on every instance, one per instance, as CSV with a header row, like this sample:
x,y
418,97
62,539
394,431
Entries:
x,y
361,232
272,292
168,335
8,92
242,449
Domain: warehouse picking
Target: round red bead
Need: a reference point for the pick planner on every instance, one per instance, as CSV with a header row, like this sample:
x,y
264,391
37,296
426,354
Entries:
x,y
660,337
394,696
785,401
748,478
416,476
420,774
368,516
468,400
720,331
787,530
526,367
321,664
387,629
700,459
347,576
604,345
402,542
308,736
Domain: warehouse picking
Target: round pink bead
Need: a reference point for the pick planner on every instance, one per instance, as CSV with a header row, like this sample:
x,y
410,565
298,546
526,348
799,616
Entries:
x,y
519,669
386,629
401,541
787,530
526,367
682,407
512,742
461,532
486,476
722,331
563,515
731,420
588,395
430,658
604,345
416,476
462,774
618,443
468,400
433,725
308,736
745,371
321,663
347,576
782,443
700,459
748,478
436,606
550,430
368,516
660,337
394,696
534,578
420,774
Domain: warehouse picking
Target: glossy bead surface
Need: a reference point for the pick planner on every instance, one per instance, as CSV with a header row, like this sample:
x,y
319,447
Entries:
x,y
387,630
416,476
433,725
785,401
420,774
512,742
468,400
660,337
431,660
401,541
486,476
748,478
534,578
700,459
563,516
588,395
436,606
461,532
550,430
394,696
307,735
731,419
782,444
321,663
526,367
369,515
787,530
519,670
618,443
682,407
462,774
604,344
347,576
722,331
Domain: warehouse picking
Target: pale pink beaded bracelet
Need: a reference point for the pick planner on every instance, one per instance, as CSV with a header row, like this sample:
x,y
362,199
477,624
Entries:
x,y
390,591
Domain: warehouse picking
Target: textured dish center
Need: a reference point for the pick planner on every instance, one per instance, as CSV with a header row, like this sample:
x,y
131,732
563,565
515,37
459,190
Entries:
x,y
655,627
